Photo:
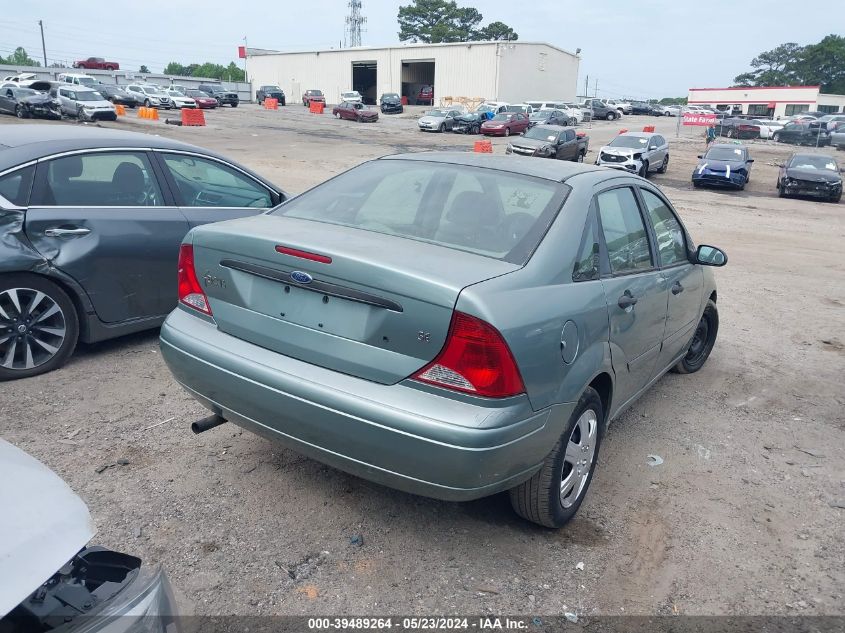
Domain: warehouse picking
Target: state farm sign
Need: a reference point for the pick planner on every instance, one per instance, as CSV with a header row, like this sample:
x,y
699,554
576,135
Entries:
x,y
691,118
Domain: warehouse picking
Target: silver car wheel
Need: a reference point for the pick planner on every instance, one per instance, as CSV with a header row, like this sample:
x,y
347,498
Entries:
x,y
579,457
32,328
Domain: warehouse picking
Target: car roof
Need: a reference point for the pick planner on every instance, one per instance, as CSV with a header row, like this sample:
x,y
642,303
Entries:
x,y
638,134
24,143
556,170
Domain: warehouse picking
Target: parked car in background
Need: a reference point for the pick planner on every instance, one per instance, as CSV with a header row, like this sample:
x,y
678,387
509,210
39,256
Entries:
x,y
735,127
352,96
641,107
116,94
469,123
527,315
313,95
355,111
550,141
600,110
150,96
51,578
180,100
102,208
833,121
77,79
26,103
96,63
505,124
550,117
426,96
803,132
623,106
223,96
391,103
672,110
20,78
767,127
837,139
84,103
438,120
636,152
813,175
270,92
723,165
203,100
524,108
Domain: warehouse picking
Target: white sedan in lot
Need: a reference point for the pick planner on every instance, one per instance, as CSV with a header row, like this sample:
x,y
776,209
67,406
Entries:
x,y
767,127
180,100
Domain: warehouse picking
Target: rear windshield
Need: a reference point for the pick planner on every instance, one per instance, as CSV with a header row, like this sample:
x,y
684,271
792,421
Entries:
x,y
484,211
725,153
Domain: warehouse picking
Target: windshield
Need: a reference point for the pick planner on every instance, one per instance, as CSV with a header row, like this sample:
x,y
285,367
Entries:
x,y
197,93
515,108
272,89
390,95
636,142
350,95
813,162
482,211
542,134
86,81
724,153
89,96
315,93
23,92
542,114
501,117
437,113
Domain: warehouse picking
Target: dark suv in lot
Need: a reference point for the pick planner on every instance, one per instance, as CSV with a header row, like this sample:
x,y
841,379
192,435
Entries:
x,y
223,96
270,92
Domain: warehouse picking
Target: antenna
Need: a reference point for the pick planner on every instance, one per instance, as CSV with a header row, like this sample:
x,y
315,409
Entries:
x,y
352,33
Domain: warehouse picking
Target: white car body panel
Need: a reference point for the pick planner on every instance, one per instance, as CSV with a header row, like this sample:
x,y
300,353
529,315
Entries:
x,y
44,525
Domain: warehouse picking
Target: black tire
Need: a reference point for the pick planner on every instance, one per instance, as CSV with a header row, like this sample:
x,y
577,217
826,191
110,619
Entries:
x,y
442,128
282,103
776,137
836,198
730,134
781,191
581,157
66,317
610,116
643,173
146,103
702,342
507,131
21,112
235,105
664,166
539,499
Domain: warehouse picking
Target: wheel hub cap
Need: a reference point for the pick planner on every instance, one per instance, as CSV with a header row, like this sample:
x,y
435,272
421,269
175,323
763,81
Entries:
x,y
579,457
32,328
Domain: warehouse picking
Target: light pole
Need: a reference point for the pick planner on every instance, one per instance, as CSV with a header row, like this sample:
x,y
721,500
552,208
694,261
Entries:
x,y
43,47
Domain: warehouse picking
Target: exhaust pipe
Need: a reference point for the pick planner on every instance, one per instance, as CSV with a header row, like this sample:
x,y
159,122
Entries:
x,y
201,426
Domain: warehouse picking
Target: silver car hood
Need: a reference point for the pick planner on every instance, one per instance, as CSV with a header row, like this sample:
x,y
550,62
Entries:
x,y
44,525
432,119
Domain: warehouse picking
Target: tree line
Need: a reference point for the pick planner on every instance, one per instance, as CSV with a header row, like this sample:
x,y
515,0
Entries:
x,y
790,64
437,21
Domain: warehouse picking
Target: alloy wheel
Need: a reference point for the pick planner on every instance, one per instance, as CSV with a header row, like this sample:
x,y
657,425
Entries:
x,y
32,328
579,457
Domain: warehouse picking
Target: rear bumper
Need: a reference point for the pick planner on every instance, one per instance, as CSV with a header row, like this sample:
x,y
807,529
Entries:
x,y
404,437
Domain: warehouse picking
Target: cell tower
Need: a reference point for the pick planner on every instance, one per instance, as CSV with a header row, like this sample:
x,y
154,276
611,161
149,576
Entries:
x,y
354,20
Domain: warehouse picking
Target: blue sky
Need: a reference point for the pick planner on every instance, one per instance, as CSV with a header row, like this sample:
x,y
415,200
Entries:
x,y
640,48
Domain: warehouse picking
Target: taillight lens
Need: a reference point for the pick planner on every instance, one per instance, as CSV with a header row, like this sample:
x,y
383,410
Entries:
x,y
475,359
190,291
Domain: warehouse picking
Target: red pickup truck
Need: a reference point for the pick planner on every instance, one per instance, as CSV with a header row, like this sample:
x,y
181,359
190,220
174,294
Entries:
x,y
96,63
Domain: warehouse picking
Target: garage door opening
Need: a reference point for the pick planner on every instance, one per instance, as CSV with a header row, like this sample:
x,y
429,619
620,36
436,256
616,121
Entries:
x,y
416,75
364,80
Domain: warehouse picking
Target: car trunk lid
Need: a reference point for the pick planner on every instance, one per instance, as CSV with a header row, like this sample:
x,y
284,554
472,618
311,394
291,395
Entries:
x,y
379,310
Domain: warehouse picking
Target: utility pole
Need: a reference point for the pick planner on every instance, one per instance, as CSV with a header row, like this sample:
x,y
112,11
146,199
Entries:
x,y
246,54
43,46
587,87
596,90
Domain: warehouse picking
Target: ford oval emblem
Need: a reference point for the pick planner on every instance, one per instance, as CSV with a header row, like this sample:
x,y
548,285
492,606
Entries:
x,y
301,278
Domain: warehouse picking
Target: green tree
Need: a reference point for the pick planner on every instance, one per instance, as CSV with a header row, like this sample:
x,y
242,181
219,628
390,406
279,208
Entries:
x,y
433,21
497,31
19,58
673,101
791,64
234,73
143,69
175,68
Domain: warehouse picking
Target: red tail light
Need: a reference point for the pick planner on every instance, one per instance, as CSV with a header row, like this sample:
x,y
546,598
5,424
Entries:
x,y
295,252
190,291
475,359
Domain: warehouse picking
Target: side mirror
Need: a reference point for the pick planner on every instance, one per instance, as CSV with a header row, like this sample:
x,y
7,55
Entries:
x,y
750,160
710,256
651,147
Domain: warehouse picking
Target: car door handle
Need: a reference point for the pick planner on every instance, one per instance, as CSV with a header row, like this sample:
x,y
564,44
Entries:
x,y
677,288
627,300
60,232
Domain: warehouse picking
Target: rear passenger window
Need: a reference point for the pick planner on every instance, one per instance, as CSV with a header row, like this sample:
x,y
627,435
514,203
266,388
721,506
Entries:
x,y
107,179
624,232
670,236
15,186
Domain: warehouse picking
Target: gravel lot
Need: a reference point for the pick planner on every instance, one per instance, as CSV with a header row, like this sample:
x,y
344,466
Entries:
x,y
744,516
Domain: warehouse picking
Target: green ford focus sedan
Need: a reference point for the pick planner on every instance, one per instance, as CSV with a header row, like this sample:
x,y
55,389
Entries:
x,y
449,324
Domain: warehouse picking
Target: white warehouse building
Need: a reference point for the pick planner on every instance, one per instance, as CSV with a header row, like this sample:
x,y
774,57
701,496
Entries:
x,y
501,71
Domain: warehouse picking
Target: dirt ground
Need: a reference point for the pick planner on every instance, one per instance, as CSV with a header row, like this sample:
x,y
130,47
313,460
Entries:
x,y
744,515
